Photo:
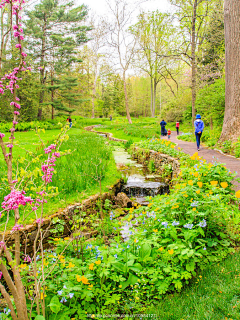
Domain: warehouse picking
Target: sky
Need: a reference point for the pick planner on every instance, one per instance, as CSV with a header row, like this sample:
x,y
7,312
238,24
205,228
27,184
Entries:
x,y
99,7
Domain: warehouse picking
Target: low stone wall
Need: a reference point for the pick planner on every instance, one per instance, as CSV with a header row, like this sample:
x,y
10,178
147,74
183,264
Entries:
x,y
160,160
62,218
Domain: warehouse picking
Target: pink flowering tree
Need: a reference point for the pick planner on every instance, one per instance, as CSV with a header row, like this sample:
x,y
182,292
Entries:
x,y
12,288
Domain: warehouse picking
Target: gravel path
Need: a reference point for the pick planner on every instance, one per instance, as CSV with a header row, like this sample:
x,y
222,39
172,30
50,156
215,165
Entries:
x,y
190,148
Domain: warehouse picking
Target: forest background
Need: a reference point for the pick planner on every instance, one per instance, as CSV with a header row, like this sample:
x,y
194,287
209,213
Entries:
x,y
134,62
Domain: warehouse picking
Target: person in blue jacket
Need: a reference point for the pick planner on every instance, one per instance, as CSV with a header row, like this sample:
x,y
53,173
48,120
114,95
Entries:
x,y
163,124
199,126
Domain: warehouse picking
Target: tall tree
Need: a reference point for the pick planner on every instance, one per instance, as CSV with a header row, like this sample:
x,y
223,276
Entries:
x,y
231,124
192,16
5,31
154,31
55,30
122,41
96,45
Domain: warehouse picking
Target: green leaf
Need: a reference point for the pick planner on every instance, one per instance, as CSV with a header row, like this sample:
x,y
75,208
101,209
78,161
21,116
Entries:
x,y
119,266
55,305
39,318
190,266
132,279
178,284
137,267
145,251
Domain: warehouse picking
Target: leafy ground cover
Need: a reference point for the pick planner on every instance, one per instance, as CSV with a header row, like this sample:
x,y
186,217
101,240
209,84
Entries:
x,y
77,173
177,235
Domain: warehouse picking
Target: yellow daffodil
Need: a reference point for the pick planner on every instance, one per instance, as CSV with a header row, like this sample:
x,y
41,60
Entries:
x,y
224,184
171,251
91,266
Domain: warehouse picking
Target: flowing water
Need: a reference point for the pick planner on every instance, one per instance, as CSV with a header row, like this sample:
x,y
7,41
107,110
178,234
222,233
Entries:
x,y
140,183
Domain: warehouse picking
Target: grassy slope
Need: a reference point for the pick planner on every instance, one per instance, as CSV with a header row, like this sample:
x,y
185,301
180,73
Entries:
x,y
213,295
29,141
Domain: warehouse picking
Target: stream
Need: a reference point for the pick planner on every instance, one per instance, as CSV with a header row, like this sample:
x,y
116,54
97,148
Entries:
x,y
140,183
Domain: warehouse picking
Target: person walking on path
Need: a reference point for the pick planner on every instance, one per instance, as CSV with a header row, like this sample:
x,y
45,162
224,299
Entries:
x,y
177,127
70,122
163,124
169,134
199,126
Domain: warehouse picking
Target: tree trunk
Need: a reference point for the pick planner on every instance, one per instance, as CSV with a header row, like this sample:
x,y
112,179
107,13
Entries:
x,y
42,78
231,124
94,93
193,49
154,97
151,107
126,98
52,95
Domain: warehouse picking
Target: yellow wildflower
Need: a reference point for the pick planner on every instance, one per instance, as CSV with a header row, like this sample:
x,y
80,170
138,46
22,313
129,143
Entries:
x,y
91,266
171,251
224,184
160,249
200,184
190,182
41,297
98,262
71,265
237,194
198,191
84,280
195,174
214,183
155,230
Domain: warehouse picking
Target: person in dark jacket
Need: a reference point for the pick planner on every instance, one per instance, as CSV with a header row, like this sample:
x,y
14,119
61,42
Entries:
x,y
163,124
199,126
70,122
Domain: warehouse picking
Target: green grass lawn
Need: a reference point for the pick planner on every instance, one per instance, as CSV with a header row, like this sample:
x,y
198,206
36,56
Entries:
x,y
213,295
75,175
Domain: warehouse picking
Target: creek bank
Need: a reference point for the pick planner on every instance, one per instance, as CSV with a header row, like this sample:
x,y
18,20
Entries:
x,y
91,205
64,217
